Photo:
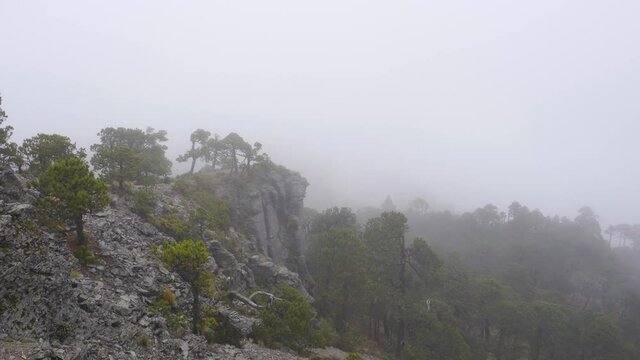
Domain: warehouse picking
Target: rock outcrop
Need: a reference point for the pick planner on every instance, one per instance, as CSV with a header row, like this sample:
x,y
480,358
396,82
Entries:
x,y
271,201
51,307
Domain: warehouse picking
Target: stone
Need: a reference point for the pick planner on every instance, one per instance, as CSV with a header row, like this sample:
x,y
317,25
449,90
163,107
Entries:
x,y
102,311
272,275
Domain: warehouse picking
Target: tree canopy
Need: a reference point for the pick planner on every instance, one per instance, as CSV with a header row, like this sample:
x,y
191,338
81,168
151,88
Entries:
x,y
125,154
41,151
9,152
70,191
188,258
199,148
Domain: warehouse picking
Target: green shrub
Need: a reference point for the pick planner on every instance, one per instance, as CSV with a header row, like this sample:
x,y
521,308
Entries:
x,y
165,303
169,297
287,322
325,335
354,356
84,255
173,226
143,203
217,328
177,324
144,340
61,331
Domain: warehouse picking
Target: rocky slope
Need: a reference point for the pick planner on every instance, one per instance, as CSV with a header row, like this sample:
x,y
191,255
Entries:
x,y
51,307
271,203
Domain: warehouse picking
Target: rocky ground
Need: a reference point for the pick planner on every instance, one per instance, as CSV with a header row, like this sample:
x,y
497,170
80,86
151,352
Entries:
x,y
51,307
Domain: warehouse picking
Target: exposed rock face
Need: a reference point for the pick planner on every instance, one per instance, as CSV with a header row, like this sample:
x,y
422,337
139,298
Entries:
x,y
98,312
273,203
67,311
238,276
273,275
12,185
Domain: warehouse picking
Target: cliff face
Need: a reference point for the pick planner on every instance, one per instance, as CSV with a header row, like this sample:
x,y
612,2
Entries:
x,y
51,307
271,203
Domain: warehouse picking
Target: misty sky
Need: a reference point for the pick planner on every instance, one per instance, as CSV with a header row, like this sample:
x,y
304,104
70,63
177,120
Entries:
x,y
460,102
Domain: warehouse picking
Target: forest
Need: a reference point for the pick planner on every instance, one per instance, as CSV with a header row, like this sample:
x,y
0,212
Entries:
x,y
414,283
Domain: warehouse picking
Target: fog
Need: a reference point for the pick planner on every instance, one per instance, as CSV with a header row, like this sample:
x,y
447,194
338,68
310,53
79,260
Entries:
x,y
460,102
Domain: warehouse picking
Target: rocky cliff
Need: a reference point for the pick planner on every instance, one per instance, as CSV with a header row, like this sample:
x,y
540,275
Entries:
x,y
51,307
269,202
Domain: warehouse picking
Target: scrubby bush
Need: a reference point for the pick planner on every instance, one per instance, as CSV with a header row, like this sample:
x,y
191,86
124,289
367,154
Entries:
x,y
211,212
84,255
287,322
189,258
354,356
177,323
144,340
217,328
143,203
165,304
61,331
174,226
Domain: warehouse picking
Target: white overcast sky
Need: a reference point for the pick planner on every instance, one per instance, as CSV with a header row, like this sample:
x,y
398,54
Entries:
x,y
460,102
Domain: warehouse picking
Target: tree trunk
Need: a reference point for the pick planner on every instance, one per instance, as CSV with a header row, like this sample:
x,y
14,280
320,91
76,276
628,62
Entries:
x,y
500,344
535,351
400,339
486,333
196,309
193,157
215,159
121,177
403,285
80,231
234,160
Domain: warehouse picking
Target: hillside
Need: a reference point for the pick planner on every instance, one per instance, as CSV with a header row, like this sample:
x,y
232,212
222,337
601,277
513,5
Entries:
x,y
51,306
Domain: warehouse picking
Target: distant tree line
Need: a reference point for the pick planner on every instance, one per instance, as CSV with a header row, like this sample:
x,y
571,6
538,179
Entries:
x,y
482,285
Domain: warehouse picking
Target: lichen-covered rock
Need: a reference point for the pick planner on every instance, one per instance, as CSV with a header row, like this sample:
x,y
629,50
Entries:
x,y
272,200
12,185
51,307
271,275
237,276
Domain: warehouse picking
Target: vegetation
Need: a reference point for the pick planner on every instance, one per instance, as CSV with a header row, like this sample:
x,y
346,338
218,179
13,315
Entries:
x,y
418,284
513,285
287,322
231,153
70,191
354,356
211,213
199,149
338,262
84,255
143,203
188,258
9,153
131,155
174,226
41,151
7,130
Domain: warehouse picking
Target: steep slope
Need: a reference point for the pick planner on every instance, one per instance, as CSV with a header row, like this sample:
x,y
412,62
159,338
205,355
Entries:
x,y
266,205
52,307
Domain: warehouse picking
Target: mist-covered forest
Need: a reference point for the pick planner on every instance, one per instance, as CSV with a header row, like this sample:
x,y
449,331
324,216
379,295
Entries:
x,y
379,281
345,180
